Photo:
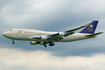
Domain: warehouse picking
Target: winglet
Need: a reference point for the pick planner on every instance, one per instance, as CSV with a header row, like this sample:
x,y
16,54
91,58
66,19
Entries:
x,y
87,24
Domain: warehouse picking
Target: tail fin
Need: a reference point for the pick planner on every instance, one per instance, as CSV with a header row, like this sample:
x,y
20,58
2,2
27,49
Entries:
x,y
90,28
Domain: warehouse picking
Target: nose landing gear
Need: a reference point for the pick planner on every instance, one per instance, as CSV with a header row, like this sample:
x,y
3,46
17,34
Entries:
x,y
50,44
13,42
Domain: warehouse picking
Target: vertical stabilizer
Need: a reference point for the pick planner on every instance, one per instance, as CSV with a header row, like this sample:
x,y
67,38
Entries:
x,y
90,29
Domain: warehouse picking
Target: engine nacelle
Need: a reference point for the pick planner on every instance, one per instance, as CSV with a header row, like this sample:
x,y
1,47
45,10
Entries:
x,y
41,43
61,33
44,37
36,37
34,42
65,33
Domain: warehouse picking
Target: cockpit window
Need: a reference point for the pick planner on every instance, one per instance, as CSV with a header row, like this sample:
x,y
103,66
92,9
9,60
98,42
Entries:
x,y
10,30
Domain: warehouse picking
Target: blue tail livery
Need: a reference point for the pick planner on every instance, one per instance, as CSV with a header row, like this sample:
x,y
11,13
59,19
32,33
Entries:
x,y
90,29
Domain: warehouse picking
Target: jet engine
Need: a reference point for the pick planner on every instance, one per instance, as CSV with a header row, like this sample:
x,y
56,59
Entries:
x,y
44,37
41,43
40,37
34,42
65,33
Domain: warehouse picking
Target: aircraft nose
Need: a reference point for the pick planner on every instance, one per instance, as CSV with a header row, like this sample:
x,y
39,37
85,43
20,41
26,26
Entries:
x,y
4,34
7,34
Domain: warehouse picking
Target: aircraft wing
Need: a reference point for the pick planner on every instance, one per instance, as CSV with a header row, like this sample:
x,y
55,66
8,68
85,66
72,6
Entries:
x,y
55,37
59,36
68,32
52,37
77,28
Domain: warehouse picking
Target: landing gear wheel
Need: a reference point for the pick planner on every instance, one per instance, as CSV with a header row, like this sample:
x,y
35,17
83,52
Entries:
x,y
45,45
51,44
13,42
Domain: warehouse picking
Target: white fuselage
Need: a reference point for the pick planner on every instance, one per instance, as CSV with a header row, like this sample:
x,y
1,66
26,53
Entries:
x,y
27,34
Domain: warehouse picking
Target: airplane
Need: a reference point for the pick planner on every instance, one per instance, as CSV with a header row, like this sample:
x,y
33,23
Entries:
x,y
44,37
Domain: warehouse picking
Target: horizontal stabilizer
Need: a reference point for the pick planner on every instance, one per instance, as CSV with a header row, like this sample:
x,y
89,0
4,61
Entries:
x,y
94,34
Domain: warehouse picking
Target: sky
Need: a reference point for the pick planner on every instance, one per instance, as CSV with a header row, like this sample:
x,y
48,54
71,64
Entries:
x,y
52,15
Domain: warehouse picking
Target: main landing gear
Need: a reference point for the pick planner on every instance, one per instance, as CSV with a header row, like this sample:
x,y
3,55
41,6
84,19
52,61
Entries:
x,y
50,44
45,45
13,42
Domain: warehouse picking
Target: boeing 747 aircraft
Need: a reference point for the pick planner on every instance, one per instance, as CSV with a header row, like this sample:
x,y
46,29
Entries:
x,y
43,38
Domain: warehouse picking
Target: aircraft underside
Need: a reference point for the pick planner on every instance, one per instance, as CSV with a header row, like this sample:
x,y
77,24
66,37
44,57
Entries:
x,y
45,42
